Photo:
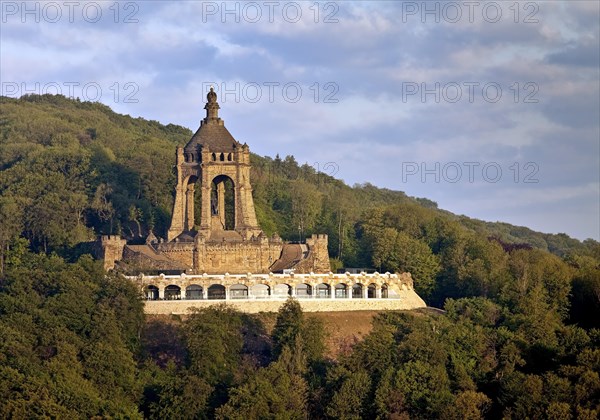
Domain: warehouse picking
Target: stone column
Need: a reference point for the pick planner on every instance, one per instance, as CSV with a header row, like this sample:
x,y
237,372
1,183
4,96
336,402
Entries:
x,y
365,291
178,217
182,294
293,291
349,291
226,292
378,292
206,215
177,220
204,293
249,292
332,291
161,293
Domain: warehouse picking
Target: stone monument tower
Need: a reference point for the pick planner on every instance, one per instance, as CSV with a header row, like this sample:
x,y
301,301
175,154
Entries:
x,y
224,236
220,166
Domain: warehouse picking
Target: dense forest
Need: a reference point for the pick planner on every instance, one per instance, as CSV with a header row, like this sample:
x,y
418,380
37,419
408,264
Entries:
x,y
519,337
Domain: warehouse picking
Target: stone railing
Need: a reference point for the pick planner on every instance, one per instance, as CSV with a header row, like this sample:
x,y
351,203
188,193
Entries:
x,y
273,286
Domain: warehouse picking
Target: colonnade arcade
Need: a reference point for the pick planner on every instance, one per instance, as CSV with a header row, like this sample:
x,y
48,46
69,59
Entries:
x,y
274,286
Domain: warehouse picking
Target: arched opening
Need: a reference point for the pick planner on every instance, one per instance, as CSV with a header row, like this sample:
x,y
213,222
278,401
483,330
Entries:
x,y
304,291
260,291
214,157
238,291
357,291
384,291
172,292
372,291
216,291
193,292
341,291
222,157
229,157
151,292
222,201
322,291
282,290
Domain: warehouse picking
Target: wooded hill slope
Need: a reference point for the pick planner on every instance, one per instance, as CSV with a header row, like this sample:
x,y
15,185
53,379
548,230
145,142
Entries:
x,y
72,170
519,337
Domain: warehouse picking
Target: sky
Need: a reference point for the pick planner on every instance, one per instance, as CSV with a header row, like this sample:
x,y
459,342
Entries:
x,y
491,109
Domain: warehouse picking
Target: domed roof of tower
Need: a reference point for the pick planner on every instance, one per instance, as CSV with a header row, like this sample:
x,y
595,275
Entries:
x,y
212,131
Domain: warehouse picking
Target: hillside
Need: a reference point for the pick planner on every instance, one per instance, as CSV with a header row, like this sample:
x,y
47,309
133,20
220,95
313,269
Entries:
x,y
72,170
518,337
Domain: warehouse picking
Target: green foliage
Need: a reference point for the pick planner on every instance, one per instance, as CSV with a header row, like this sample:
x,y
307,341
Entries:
x,y
77,168
277,391
469,405
472,362
287,326
64,349
175,393
585,300
292,328
517,339
350,401
214,343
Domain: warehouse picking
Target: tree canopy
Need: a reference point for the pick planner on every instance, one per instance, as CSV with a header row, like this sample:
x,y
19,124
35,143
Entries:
x,y
519,337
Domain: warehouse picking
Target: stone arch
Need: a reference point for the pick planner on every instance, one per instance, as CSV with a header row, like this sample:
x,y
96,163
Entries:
x,y
222,202
323,290
384,291
172,292
260,291
304,290
151,292
282,290
222,157
238,291
216,291
194,292
372,291
357,290
341,291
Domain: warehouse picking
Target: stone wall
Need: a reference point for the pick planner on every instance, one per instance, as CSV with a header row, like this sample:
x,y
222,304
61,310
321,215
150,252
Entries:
x,y
111,250
236,257
180,252
408,299
145,257
317,260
